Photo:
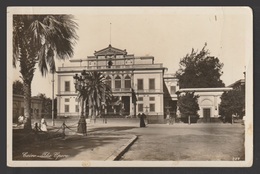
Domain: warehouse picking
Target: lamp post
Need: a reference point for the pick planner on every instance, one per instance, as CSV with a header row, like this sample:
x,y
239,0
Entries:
x,y
52,101
80,86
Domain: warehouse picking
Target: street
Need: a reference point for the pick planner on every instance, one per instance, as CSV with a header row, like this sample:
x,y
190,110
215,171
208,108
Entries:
x,y
197,142
156,142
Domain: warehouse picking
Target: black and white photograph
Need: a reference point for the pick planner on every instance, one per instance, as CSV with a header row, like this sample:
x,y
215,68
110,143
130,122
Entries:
x,y
129,87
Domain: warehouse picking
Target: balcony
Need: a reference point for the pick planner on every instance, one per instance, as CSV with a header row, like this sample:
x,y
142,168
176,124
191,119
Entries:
x,y
148,91
115,90
121,90
67,93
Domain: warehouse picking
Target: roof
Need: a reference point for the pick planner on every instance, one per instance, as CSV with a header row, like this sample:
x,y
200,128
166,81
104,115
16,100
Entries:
x,y
170,76
238,82
108,51
204,89
21,97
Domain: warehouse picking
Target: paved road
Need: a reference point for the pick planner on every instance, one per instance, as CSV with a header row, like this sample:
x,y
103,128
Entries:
x,y
196,142
187,142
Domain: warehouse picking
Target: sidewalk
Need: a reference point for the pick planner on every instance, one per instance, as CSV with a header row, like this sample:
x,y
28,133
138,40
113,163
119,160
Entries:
x,y
103,142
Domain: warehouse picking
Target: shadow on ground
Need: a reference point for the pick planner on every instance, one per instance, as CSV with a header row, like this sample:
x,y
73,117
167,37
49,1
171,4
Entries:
x,y
109,129
50,146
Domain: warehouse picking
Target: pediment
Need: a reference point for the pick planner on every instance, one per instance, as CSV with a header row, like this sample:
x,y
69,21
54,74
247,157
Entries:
x,y
110,51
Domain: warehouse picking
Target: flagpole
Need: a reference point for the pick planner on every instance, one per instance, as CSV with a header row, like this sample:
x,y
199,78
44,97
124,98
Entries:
x,y
52,108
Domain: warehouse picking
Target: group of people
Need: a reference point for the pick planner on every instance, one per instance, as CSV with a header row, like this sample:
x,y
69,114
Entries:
x,y
42,126
39,127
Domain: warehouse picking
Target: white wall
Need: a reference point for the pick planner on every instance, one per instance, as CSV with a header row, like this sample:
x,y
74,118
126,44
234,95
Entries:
x,y
169,83
62,79
209,100
157,75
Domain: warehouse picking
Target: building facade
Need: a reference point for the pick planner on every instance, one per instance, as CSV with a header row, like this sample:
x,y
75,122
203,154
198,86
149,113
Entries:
x,y
126,74
18,107
209,101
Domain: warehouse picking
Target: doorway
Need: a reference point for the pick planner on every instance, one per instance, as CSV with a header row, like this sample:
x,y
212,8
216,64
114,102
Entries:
x,y
126,102
206,115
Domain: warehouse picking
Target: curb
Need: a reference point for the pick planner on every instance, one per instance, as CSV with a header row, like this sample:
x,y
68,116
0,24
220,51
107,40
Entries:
x,y
120,152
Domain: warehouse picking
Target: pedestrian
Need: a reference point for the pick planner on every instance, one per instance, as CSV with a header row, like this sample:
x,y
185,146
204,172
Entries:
x,y
104,119
171,119
168,117
43,125
142,117
36,127
244,119
20,120
36,130
63,127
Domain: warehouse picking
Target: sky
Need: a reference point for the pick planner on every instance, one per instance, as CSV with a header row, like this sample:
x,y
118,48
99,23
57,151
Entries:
x,y
167,33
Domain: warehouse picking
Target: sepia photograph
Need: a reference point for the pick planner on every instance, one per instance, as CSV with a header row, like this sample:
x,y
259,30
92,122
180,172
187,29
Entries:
x,y
129,87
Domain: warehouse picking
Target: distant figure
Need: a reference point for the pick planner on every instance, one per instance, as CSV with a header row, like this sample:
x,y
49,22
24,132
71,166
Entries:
x,y
20,119
142,117
36,127
43,125
63,127
104,119
168,117
244,119
171,119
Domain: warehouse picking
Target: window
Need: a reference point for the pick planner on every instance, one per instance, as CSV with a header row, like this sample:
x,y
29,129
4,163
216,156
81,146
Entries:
x,y
76,108
67,100
108,81
140,84
117,82
67,85
173,89
140,107
67,108
152,84
140,98
127,82
152,98
109,64
152,107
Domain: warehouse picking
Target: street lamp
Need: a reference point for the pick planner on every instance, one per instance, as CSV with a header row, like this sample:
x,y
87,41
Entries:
x,y
80,86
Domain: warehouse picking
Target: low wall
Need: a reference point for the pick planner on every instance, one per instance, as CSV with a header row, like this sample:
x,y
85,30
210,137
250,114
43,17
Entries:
x,y
155,119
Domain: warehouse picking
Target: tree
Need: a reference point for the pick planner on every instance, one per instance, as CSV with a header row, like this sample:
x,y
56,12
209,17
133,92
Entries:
x,y
232,102
200,70
188,106
18,87
96,92
37,39
46,105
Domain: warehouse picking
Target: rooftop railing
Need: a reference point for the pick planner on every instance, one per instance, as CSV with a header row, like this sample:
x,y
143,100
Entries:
x,y
75,68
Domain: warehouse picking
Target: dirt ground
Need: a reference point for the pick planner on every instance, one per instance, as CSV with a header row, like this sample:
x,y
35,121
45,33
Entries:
x,y
177,142
198,142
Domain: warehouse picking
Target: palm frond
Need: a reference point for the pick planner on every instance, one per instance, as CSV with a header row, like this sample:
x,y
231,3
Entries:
x,y
42,61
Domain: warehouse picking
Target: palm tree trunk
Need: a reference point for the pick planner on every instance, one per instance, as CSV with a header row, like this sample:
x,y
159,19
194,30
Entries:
x,y
94,113
27,105
27,64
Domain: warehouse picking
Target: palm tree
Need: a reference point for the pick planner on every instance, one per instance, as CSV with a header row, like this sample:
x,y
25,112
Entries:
x,y
96,91
37,39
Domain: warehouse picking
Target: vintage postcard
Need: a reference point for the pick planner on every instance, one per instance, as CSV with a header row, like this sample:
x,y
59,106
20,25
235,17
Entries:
x,y
129,87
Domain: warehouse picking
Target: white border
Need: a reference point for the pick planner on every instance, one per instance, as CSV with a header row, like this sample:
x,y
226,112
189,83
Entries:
x,y
136,10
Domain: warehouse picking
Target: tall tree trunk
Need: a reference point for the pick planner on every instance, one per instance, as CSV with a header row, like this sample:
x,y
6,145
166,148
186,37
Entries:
x,y
94,113
27,64
27,105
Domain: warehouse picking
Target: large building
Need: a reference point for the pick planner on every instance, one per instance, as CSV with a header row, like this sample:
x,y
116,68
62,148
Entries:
x,y
125,73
